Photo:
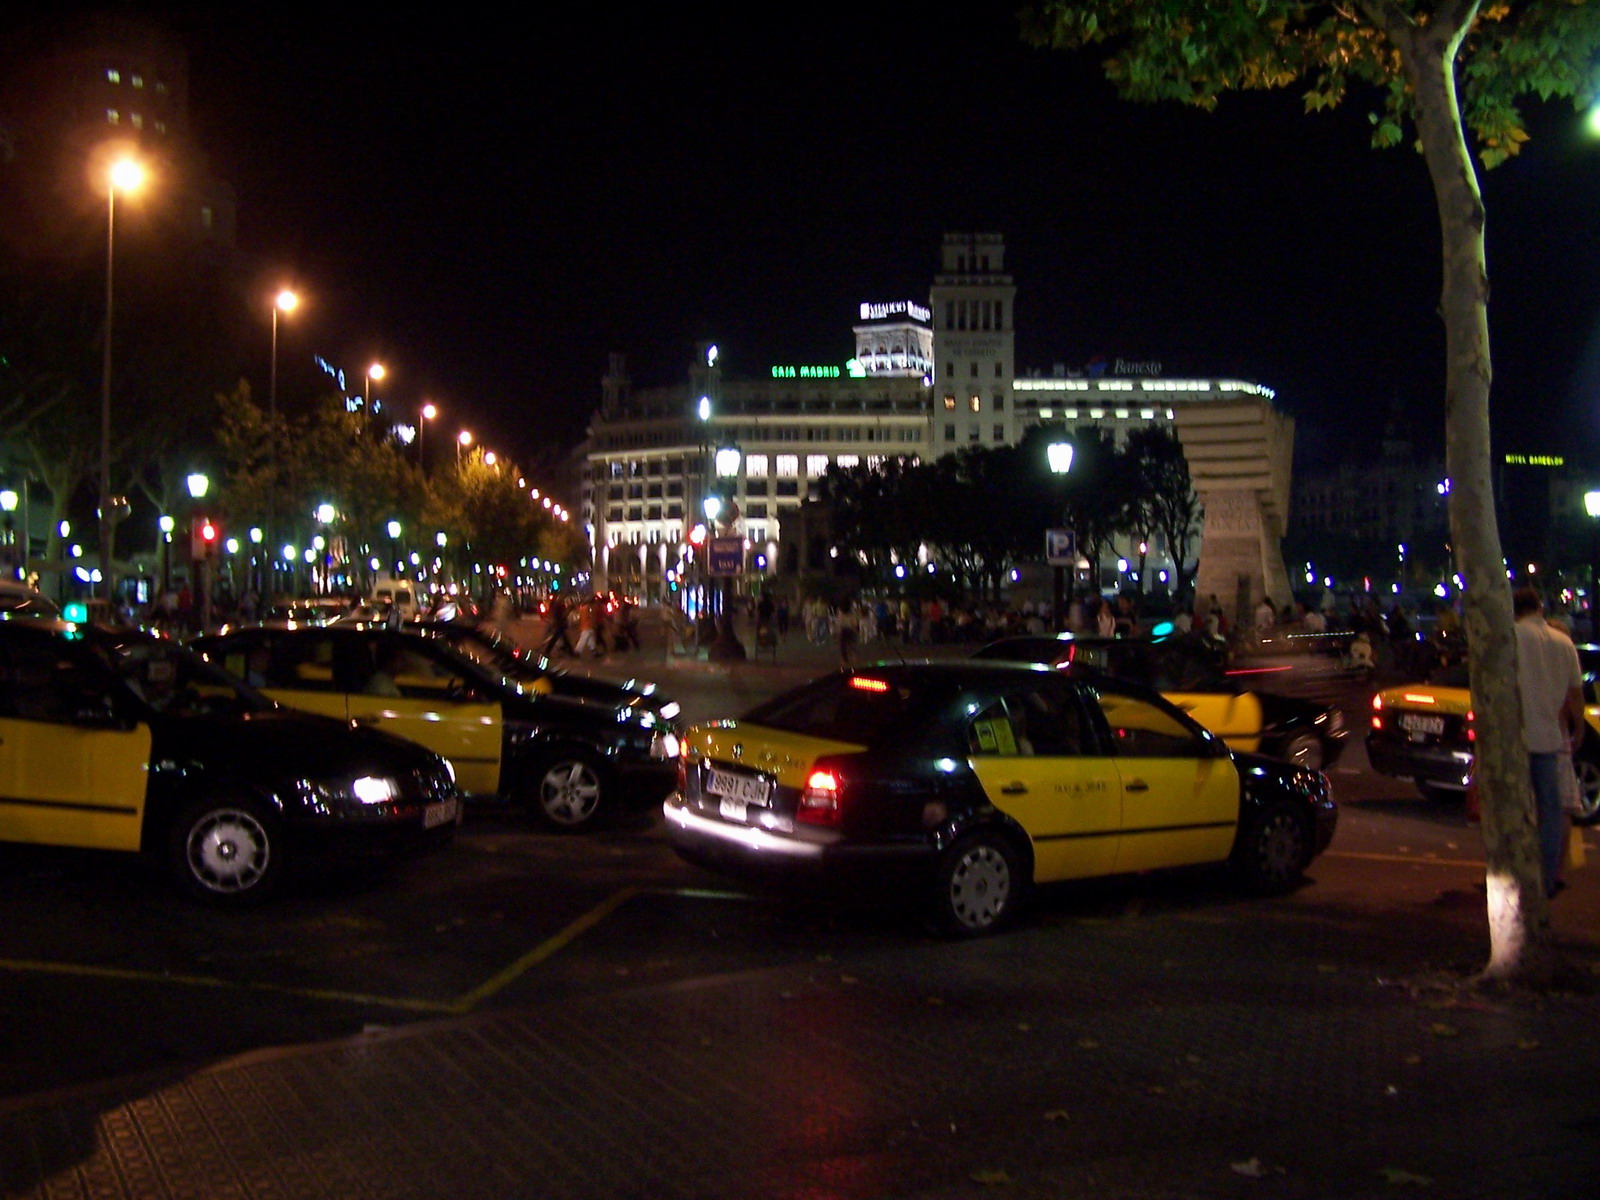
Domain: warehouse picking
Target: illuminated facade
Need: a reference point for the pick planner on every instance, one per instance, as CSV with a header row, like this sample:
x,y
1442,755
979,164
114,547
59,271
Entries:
x,y
925,381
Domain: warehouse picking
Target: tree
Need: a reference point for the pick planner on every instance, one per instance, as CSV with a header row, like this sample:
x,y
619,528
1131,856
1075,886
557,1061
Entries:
x,y
1164,496
1445,68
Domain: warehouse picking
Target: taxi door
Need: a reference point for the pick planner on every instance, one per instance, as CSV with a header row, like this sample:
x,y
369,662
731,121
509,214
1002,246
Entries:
x,y
427,699
1235,718
1180,801
295,669
69,775
1033,765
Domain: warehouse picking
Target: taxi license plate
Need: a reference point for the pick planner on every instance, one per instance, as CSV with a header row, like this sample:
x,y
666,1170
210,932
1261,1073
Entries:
x,y
742,789
439,814
1421,723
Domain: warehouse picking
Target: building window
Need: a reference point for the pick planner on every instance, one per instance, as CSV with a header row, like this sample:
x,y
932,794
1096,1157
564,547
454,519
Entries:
x,y
999,402
999,314
788,467
137,81
113,75
788,487
972,434
950,402
949,369
974,370
757,510
999,433
755,466
137,120
847,460
816,464
112,116
674,512
999,371
949,433
975,402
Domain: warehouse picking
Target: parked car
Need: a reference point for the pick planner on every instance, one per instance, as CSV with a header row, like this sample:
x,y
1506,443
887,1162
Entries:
x,y
1422,733
565,758
127,741
967,783
1195,677
500,653
18,599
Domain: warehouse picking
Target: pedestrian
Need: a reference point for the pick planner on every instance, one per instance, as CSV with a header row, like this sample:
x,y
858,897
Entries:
x,y
556,617
783,617
1551,683
848,626
590,637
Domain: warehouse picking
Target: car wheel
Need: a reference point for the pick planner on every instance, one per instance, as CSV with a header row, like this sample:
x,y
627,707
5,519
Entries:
x,y
567,788
226,851
979,886
1304,749
1588,768
1274,851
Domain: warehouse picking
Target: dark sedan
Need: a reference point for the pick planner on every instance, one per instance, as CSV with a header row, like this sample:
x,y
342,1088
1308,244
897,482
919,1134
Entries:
x,y
967,783
122,741
1195,678
567,759
500,653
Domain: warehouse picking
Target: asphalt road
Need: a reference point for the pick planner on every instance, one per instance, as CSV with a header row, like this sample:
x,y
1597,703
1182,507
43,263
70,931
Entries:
x,y
105,972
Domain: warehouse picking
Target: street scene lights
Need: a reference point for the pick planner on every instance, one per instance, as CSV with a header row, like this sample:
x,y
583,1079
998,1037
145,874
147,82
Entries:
x,y
463,440
375,371
428,413
126,175
286,301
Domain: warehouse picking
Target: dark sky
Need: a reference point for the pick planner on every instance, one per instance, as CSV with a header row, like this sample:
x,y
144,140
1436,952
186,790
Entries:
x,y
490,204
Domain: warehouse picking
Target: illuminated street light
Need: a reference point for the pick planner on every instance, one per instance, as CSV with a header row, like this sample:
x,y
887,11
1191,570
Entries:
x,y
126,175
325,514
463,440
375,371
429,412
284,302
1060,457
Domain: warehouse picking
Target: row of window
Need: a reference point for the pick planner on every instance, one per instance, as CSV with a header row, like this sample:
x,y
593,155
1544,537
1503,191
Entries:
x,y
975,402
973,434
972,370
135,120
974,314
134,80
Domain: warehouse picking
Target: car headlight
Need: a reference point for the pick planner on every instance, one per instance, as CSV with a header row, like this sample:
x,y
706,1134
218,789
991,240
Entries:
x,y
373,789
670,710
665,746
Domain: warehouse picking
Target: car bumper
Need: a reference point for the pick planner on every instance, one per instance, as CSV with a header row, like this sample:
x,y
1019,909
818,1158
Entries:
x,y
1439,765
754,852
383,830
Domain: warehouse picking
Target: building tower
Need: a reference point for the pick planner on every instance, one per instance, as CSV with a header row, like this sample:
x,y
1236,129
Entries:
x,y
974,345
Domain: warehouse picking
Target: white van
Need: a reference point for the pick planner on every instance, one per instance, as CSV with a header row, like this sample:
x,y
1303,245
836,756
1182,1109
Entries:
x,y
397,592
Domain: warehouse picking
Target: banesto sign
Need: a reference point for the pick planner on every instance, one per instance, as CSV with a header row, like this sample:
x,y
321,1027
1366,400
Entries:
x,y
900,308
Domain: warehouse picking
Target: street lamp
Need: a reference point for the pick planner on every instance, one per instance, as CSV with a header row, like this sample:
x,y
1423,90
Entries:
x,y
1591,505
429,412
286,301
199,484
1059,455
463,439
126,175
375,371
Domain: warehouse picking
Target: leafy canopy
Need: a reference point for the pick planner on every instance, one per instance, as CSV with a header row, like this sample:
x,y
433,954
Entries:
x,y
1192,51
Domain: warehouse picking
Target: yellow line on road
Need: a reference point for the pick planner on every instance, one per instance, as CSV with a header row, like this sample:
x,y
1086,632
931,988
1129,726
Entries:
x,y
544,950
1475,864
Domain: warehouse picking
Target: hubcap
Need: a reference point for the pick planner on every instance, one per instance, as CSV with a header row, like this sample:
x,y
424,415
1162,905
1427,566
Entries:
x,y
1280,847
980,886
1307,752
228,850
570,793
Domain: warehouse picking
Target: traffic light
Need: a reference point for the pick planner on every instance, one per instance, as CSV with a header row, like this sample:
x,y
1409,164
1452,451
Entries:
x,y
204,534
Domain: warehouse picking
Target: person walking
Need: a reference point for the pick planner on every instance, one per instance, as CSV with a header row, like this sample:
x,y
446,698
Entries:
x,y
557,618
1551,683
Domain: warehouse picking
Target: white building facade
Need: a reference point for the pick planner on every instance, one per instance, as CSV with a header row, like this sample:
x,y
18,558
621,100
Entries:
x,y
925,381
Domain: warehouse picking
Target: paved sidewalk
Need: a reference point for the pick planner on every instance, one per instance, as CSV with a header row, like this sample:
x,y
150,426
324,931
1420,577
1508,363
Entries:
x,y
1276,1050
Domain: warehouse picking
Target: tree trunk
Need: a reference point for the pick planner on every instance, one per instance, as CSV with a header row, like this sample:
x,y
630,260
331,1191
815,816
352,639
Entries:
x,y
1517,909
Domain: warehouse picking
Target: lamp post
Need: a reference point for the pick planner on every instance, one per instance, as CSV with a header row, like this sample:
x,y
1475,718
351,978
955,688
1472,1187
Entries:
x,y
8,504
429,412
286,301
1059,455
1591,505
199,484
375,371
126,175
463,439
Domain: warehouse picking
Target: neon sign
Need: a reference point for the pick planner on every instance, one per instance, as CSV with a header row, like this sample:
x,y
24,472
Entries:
x,y
1535,460
806,372
909,308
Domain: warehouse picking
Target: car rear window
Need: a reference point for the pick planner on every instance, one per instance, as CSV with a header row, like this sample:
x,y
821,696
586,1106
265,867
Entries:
x,y
863,708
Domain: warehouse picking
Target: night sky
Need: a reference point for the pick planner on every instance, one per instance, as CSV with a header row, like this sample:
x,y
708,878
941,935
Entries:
x,y
491,204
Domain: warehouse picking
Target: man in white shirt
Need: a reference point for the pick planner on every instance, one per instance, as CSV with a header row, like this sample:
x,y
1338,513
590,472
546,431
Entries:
x,y
1551,684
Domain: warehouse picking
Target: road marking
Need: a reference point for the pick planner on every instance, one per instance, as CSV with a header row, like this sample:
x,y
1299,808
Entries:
x,y
1409,858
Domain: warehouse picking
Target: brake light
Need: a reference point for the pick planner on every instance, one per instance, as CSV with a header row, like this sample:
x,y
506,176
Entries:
x,y
1472,734
861,683
1377,703
819,802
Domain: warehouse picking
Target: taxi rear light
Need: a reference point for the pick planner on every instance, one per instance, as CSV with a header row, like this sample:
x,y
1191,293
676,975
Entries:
x,y
819,802
1472,734
1377,703
862,683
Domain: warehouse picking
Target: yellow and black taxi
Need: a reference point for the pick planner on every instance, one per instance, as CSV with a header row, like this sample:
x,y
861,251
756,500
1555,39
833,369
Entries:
x,y
1423,733
1196,678
968,782
123,741
565,758
533,670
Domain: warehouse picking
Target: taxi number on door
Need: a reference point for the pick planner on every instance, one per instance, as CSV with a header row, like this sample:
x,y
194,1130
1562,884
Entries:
x,y
1421,723
440,813
744,789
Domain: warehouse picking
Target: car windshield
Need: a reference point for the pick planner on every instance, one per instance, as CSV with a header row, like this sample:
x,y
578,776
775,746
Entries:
x,y
177,682
862,708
